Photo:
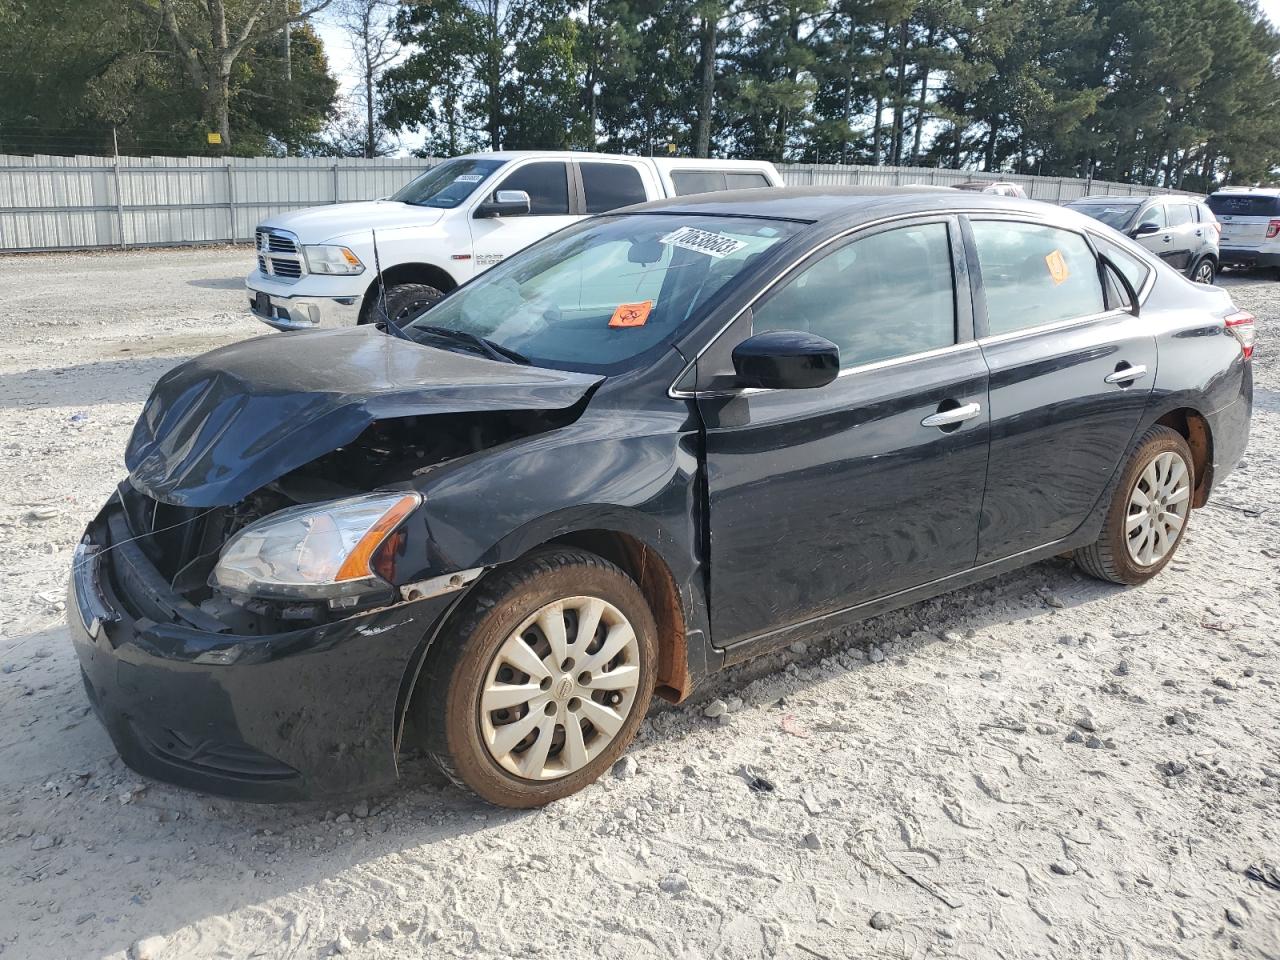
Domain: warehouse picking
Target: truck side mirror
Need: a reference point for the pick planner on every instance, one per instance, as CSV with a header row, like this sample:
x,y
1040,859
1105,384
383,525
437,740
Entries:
x,y
505,203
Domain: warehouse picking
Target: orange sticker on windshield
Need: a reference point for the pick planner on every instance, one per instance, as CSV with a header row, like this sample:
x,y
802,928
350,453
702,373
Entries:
x,y
631,314
1057,267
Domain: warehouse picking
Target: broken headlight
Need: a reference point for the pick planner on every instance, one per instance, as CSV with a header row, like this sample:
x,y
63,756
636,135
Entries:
x,y
318,551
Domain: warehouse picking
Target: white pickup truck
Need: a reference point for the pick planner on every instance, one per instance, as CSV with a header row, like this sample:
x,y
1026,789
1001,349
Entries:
x,y
316,266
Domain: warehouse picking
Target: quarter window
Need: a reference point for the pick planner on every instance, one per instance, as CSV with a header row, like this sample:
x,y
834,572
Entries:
x,y
888,295
1033,275
611,185
547,185
697,181
1134,270
744,181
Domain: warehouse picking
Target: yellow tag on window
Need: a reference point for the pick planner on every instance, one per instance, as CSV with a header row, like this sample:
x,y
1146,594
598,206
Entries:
x,y
631,314
1057,267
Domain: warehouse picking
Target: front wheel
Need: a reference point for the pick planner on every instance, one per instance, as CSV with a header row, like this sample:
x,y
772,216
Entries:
x,y
544,680
1204,271
1148,513
404,303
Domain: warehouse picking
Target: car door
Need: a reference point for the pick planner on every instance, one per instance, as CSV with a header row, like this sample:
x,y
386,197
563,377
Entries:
x,y
493,239
1160,240
1071,370
1184,229
826,498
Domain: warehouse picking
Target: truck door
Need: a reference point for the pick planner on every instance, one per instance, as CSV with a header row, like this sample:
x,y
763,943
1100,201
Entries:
x,y
493,239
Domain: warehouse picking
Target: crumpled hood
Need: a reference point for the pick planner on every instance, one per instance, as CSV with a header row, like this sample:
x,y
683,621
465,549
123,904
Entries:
x,y
319,224
220,426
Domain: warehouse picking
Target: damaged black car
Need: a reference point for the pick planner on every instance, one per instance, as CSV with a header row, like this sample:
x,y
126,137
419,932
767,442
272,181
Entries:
x,y
648,447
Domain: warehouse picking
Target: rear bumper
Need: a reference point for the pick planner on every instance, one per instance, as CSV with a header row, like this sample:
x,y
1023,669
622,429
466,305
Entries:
x,y
1245,257
308,714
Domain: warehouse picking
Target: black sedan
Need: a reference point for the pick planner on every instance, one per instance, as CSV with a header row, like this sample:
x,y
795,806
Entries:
x,y
652,445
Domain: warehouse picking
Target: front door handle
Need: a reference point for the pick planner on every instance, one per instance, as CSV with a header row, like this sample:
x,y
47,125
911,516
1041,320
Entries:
x,y
1126,374
952,417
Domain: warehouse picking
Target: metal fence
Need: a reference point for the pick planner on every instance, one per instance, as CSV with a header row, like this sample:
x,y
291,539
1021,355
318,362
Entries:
x,y
67,203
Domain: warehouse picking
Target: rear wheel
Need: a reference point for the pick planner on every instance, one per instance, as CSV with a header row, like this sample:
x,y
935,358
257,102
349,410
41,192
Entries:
x,y
1204,271
543,682
1148,513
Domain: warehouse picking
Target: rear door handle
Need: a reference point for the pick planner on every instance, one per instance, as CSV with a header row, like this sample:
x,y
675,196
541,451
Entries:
x,y
1126,374
949,418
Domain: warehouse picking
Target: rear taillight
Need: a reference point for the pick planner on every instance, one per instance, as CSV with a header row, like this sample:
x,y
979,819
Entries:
x,y
1273,229
1240,325
1217,227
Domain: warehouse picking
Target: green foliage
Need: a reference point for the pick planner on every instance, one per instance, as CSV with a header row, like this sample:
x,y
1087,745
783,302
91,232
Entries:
x,y
1170,92
71,70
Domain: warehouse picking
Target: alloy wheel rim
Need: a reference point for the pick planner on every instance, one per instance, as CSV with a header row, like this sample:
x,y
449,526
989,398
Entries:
x,y
560,688
1204,273
1158,506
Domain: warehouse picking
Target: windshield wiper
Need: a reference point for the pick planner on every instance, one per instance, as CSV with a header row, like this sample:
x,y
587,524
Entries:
x,y
494,351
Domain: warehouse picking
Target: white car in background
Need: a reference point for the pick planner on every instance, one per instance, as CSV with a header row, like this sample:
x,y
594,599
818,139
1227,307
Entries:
x,y
316,266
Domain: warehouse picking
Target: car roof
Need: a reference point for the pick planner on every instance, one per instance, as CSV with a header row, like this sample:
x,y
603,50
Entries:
x,y
822,204
669,162
1128,199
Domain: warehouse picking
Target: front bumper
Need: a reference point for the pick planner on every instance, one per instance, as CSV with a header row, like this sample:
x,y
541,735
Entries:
x,y
1245,257
290,311
307,714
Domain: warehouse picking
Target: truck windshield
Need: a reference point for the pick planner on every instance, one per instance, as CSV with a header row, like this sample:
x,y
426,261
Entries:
x,y
596,296
1114,215
448,184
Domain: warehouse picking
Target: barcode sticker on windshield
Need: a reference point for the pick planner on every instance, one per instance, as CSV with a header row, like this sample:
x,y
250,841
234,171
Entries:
x,y
468,178
703,241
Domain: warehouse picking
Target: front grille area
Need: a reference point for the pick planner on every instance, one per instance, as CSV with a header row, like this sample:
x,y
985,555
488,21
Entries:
x,y
279,255
285,269
275,242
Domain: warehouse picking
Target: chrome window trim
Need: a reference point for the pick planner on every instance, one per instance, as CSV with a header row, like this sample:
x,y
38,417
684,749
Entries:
x,y
1051,327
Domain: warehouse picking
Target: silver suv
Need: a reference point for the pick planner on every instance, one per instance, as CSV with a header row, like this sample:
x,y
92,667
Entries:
x,y
1250,225
1179,230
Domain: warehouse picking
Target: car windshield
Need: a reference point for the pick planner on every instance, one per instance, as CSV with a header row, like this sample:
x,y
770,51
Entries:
x,y
596,296
1114,215
448,184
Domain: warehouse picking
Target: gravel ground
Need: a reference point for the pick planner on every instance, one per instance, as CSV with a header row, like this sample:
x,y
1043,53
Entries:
x,y
1039,766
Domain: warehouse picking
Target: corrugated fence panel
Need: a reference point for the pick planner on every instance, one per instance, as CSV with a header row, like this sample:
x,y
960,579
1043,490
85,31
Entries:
x,y
63,203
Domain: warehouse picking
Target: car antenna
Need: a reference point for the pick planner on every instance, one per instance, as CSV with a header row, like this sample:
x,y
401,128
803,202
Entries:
x,y
387,324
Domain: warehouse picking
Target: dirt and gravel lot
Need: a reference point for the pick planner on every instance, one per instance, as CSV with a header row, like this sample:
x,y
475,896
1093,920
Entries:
x,y
1040,766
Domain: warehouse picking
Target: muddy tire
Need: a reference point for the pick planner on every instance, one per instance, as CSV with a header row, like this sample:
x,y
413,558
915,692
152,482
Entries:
x,y
562,640
1148,514
405,302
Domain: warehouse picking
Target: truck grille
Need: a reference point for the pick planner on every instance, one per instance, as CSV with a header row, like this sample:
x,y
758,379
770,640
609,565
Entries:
x,y
279,254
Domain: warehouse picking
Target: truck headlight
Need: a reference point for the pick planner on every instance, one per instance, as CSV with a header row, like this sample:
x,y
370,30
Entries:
x,y
324,258
316,551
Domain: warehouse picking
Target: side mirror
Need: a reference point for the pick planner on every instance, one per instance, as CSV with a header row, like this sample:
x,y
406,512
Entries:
x,y
786,360
1146,229
505,203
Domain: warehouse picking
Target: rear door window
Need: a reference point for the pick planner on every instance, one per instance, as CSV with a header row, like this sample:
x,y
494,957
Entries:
x,y
611,185
1034,274
547,184
1179,214
888,295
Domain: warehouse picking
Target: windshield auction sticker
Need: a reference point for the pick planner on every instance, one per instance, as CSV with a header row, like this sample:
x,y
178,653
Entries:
x,y
1057,264
631,314
703,241
468,178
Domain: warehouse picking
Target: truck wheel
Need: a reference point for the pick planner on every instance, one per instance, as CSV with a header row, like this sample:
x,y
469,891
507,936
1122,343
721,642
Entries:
x,y
405,302
1148,513
543,681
